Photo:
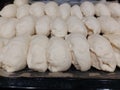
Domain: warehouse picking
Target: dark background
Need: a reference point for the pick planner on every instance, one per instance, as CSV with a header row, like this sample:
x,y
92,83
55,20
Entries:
x,y
5,2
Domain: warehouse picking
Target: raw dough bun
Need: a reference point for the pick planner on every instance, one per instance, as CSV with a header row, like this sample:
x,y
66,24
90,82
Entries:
x,y
8,29
3,42
109,25
37,9
23,11
58,55
102,10
75,25
80,51
2,21
25,26
92,24
118,20
1,47
114,8
14,54
20,2
9,11
117,55
64,10
87,8
43,25
75,10
103,50
51,9
37,58
59,27
114,39
95,60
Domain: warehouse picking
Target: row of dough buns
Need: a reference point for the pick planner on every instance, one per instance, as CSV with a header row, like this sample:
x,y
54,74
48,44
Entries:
x,y
85,35
57,54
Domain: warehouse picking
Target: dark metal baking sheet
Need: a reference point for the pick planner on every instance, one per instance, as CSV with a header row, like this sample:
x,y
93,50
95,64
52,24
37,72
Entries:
x,y
92,79
71,73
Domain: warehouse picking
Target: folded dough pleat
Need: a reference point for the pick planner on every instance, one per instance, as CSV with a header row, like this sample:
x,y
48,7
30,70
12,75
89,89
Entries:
x,y
92,25
103,50
80,51
109,25
115,41
75,25
117,55
94,60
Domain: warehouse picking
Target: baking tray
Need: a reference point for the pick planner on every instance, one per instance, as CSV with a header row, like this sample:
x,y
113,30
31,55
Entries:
x,y
71,79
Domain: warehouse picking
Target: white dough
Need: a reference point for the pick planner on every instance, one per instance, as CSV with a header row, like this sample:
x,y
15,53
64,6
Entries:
x,y
118,20
80,51
92,25
37,9
109,25
64,10
1,47
117,55
51,9
58,55
114,39
75,25
3,42
102,10
43,25
114,8
59,27
37,58
75,10
87,8
14,54
20,2
2,21
8,29
23,11
25,26
9,11
95,60
103,50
